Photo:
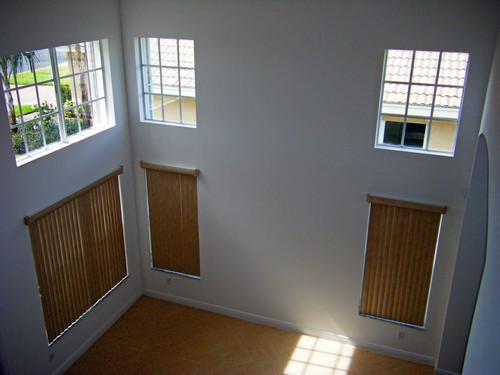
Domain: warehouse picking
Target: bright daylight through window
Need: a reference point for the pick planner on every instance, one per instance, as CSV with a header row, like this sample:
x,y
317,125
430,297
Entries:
x,y
53,96
421,100
168,91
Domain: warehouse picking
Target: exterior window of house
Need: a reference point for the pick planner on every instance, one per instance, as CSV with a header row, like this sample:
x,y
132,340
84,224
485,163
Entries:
x,y
421,100
53,97
168,90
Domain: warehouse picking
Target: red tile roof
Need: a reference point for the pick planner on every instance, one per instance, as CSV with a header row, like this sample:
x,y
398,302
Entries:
x,y
451,75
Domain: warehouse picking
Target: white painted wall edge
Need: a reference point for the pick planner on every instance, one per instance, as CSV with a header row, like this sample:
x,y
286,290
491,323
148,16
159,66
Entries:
x,y
293,327
92,339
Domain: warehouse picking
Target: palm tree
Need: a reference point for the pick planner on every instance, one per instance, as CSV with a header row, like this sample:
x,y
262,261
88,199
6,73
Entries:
x,y
12,64
80,65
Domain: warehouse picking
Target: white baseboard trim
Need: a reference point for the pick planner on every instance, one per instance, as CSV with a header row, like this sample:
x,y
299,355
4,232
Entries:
x,y
292,327
93,338
438,371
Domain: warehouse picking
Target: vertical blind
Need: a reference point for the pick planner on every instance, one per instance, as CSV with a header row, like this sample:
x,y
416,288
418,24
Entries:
x,y
173,218
79,252
399,260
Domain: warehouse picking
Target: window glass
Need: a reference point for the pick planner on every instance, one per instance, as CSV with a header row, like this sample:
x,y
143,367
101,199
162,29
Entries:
x,y
52,94
421,100
168,73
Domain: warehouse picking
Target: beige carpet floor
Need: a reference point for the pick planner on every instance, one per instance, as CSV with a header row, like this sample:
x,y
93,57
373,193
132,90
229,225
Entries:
x,y
158,337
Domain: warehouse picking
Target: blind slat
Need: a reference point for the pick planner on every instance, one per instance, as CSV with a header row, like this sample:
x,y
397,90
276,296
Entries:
x,y
75,245
37,216
173,220
406,204
166,168
399,259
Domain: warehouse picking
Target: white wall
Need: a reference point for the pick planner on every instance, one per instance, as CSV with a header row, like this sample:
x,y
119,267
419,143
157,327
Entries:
x,y
27,25
287,104
482,350
469,267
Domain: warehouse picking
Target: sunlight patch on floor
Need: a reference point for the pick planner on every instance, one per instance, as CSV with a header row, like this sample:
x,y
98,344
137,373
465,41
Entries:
x,y
319,356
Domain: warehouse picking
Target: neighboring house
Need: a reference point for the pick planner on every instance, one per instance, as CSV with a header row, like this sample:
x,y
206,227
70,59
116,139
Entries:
x,y
169,78
432,84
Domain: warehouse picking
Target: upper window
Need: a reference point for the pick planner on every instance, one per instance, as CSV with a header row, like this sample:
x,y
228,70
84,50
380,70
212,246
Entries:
x,y
53,97
421,100
168,91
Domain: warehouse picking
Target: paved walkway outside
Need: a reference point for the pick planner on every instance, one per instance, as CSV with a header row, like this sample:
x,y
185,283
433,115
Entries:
x,y
28,95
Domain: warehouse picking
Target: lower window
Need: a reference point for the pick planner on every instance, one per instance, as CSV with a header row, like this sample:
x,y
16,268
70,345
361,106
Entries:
x,y
399,260
173,219
414,134
79,252
418,134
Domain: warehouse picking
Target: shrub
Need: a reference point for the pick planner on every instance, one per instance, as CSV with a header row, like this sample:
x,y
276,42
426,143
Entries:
x,y
71,125
65,92
33,135
18,143
51,129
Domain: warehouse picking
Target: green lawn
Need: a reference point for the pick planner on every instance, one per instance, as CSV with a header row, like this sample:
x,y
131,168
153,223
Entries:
x,y
26,78
26,109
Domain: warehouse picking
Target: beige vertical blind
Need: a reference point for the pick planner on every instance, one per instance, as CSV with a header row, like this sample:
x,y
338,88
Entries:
x,y
399,260
79,252
173,218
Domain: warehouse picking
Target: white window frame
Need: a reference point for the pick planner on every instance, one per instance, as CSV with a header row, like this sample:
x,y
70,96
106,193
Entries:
x,y
99,123
405,117
179,91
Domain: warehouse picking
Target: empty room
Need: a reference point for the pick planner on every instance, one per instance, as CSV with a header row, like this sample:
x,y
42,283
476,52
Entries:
x,y
325,169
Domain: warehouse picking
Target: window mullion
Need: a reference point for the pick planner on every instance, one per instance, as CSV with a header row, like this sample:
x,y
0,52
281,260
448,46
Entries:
x,y
40,115
428,130
179,75
144,48
88,70
405,117
381,128
57,86
161,81
73,78
102,118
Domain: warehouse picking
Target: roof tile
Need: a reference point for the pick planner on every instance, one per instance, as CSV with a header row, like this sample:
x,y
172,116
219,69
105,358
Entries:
x,y
451,73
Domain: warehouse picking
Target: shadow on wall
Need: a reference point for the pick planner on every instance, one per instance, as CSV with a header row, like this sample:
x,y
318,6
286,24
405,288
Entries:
x,y
469,266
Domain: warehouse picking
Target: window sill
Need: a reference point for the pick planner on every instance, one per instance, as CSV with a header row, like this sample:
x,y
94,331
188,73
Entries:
x,y
176,124
414,150
59,146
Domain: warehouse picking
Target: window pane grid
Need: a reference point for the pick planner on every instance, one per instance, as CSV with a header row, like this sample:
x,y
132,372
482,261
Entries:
x,y
88,70
422,85
50,84
168,78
